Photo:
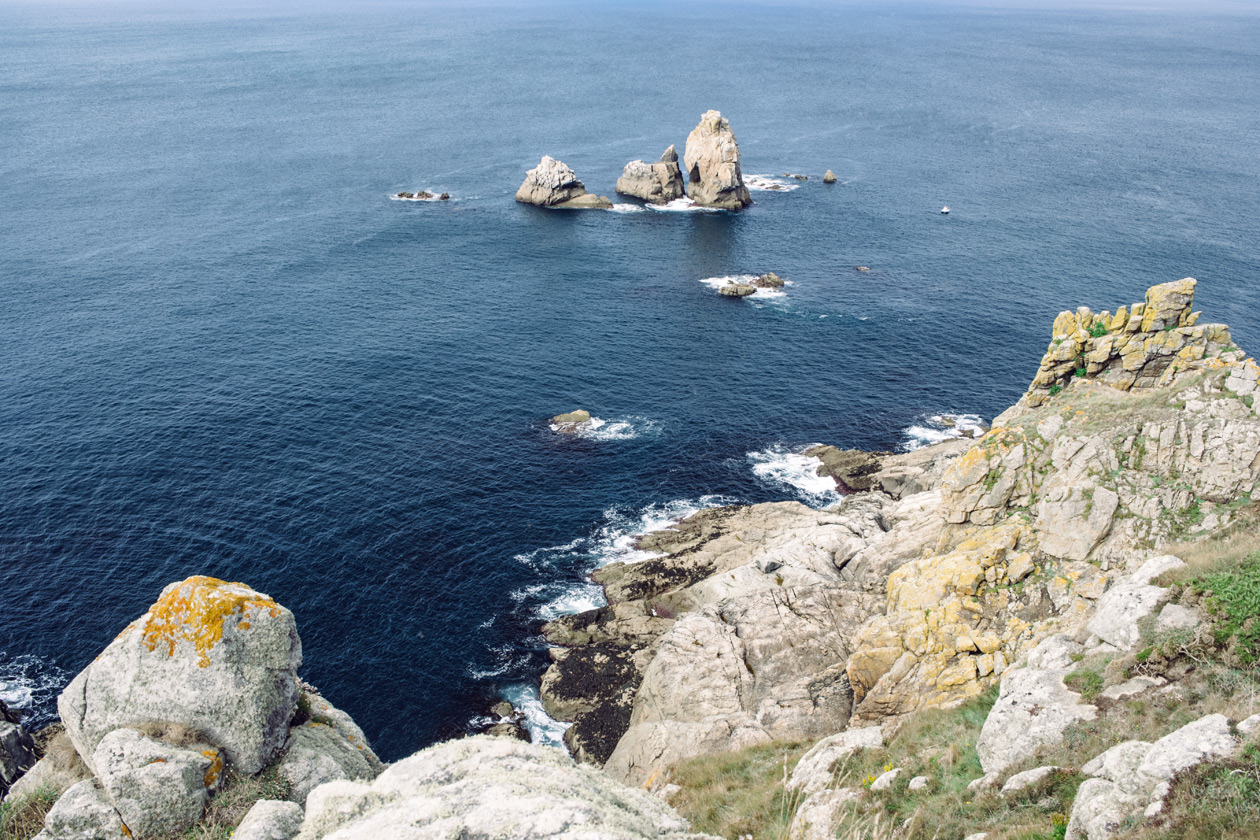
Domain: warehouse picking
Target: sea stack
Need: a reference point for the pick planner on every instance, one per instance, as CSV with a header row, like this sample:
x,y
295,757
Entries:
x,y
829,177
712,161
659,182
553,184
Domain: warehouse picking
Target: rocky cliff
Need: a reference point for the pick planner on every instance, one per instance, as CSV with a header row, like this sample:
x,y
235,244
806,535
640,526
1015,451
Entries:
x,y
714,178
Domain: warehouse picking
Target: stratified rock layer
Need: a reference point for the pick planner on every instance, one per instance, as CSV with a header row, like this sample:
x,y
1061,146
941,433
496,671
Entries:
x,y
712,161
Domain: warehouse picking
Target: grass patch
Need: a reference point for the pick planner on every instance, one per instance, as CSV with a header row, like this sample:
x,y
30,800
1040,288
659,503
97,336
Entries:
x,y
1232,600
1086,682
233,801
23,818
739,793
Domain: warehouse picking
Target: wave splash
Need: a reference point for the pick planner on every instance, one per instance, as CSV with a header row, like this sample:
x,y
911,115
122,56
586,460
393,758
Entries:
x,y
936,428
779,466
716,283
31,684
769,183
626,428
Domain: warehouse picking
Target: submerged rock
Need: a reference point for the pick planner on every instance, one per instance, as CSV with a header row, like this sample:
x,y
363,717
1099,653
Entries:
x,y
659,182
712,161
553,184
213,657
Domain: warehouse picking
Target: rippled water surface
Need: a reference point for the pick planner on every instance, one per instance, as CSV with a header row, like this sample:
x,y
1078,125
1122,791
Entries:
x,y
224,350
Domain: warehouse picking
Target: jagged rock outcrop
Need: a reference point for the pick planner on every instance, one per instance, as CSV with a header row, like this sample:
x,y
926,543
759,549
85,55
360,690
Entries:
x,y
659,182
489,787
553,184
898,475
17,749
1141,346
214,657
714,178
157,788
326,747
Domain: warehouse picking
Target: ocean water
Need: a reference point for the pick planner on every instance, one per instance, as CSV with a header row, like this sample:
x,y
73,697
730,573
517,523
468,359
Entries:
x,y
224,350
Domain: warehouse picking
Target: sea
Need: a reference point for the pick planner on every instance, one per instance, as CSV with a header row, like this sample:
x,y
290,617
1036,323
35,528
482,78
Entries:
x,y
226,350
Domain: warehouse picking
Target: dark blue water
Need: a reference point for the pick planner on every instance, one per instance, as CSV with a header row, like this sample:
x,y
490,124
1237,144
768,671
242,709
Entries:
x,y
225,351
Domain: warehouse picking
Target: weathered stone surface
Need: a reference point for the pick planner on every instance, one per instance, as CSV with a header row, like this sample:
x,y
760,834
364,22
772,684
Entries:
x,y
829,177
854,470
1028,778
1176,617
59,770
659,182
737,290
553,184
83,813
885,780
769,280
1100,810
918,783
488,787
817,767
215,657
712,162
327,747
1116,619
1034,707
820,813
270,819
1204,739
158,789
570,422
1132,687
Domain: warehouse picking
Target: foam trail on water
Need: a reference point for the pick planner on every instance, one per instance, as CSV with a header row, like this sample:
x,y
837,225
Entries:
x,y
941,427
717,283
31,685
625,428
683,205
545,729
782,467
769,183
628,208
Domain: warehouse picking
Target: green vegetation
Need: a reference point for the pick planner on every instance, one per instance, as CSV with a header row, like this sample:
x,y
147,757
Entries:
x,y
1098,330
1232,600
1086,682
23,818
1214,801
230,805
739,793
1055,389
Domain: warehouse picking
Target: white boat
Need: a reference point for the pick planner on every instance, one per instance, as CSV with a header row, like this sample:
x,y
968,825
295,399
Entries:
x,y
945,210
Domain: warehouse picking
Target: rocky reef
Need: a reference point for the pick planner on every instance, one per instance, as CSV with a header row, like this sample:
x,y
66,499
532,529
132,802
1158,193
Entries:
x,y
714,178
553,184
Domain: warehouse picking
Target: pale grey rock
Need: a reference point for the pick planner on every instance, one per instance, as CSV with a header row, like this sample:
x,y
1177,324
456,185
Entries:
x,y
49,774
214,657
979,835
327,748
17,753
1204,739
83,813
712,162
1070,524
1120,764
1176,617
659,182
1054,653
1034,707
985,782
1249,725
1027,779
820,813
157,789
1155,567
885,780
816,768
918,783
1133,686
737,290
488,787
1115,620
549,184
1100,810
589,201
829,177
270,819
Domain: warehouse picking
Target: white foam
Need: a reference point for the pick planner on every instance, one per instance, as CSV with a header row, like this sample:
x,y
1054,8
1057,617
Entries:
x,y
628,208
625,428
941,427
508,659
432,197
683,205
31,684
769,183
781,467
544,729
761,294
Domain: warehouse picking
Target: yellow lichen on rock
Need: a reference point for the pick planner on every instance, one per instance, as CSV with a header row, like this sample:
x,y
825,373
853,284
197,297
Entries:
x,y
211,776
195,610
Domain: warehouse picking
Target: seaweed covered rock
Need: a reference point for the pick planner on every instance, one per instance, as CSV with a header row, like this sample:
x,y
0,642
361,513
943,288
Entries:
x,y
210,656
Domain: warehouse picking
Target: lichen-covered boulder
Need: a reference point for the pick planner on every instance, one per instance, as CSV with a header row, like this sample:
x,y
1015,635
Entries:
x,y
83,813
712,161
270,819
327,747
488,787
214,657
157,788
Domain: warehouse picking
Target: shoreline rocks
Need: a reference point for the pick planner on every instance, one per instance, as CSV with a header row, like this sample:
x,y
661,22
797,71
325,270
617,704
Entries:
x,y
737,290
714,178
553,184
658,183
